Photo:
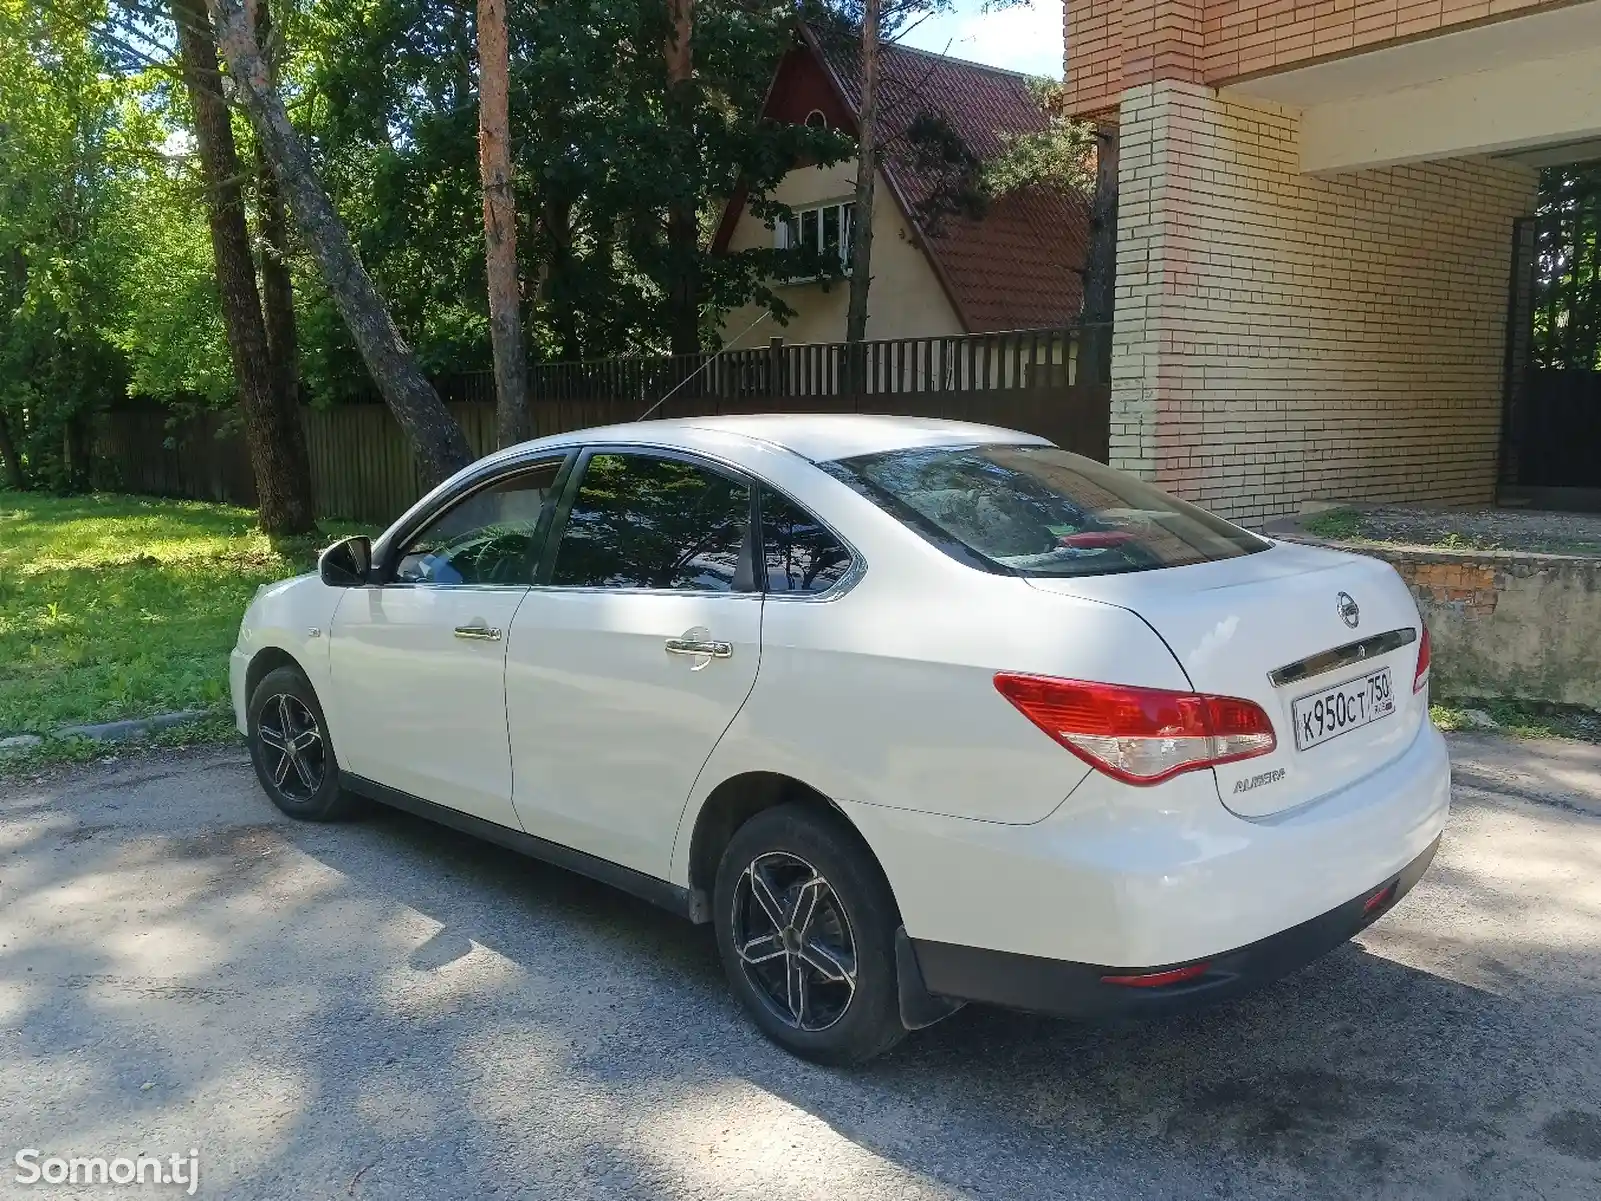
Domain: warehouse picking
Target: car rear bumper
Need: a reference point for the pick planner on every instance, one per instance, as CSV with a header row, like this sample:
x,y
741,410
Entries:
x,y
1152,877
1089,991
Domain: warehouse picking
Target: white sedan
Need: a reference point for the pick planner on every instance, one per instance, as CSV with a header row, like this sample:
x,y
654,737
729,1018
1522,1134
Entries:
x,y
913,712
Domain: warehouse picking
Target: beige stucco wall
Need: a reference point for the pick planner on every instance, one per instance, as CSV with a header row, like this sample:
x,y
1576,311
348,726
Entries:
x,y
906,299
1284,338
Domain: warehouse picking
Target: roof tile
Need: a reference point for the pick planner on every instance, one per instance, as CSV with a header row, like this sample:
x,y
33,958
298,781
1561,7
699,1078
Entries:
x,y
1017,267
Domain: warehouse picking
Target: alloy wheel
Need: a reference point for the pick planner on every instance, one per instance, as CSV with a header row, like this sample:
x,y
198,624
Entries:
x,y
794,941
292,746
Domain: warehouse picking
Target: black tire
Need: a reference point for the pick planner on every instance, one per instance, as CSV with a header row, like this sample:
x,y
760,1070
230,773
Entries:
x,y
807,856
300,773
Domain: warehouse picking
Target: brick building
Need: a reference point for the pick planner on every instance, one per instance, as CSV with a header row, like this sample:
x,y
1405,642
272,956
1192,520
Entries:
x,y
1315,233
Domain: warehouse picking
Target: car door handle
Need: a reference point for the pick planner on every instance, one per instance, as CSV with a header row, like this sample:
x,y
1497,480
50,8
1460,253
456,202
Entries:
x,y
700,647
482,633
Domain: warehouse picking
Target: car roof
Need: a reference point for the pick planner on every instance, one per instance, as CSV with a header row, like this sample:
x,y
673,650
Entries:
x,y
819,437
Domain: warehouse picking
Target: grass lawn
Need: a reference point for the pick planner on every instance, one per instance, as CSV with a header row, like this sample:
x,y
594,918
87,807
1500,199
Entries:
x,y
124,606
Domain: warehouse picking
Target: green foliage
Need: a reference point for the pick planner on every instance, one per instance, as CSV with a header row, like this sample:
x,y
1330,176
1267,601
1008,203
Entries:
x,y
1341,524
169,323
1567,276
1062,155
388,96
943,155
114,607
67,136
385,93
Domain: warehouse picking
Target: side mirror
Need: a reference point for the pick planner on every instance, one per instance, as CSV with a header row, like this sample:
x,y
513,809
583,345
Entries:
x,y
346,563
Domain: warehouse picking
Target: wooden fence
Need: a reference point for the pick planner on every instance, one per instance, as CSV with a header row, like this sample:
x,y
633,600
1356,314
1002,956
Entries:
x,y
363,468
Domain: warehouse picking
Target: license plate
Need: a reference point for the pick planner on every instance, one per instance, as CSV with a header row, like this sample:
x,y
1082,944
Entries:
x,y
1341,709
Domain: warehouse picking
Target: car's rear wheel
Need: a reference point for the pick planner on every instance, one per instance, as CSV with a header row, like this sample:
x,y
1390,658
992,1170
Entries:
x,y
806,929
290,749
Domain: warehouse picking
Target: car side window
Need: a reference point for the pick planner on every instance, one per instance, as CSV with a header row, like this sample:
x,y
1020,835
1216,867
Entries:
x,y
799,553
641,521
488,538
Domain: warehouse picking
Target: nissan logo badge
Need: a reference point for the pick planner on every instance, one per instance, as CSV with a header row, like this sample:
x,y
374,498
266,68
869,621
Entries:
x,y
1350,613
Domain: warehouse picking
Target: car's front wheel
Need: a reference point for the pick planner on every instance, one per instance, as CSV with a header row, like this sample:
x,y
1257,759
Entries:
x,y
290,749
806,928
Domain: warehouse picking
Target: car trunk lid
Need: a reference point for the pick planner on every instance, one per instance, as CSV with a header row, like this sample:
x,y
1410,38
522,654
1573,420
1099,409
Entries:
x,y
1284,625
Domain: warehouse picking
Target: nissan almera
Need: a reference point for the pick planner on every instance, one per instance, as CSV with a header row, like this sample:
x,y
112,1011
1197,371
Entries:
x,y
914,713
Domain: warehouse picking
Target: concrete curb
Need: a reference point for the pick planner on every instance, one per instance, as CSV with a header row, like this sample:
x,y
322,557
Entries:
x,y
127,730
135,727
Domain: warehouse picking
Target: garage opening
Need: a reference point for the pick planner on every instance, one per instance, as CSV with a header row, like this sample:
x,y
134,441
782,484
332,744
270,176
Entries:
x,y
1551,426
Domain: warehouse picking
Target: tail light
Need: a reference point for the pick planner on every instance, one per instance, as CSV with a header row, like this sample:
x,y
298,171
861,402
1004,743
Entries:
x,y
1140,735
1420,681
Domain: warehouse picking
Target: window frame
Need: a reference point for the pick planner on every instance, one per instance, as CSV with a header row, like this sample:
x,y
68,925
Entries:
x,y
846,207
395,543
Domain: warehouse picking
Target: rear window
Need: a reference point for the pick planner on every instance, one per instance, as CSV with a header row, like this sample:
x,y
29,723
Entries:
x,y
1039,511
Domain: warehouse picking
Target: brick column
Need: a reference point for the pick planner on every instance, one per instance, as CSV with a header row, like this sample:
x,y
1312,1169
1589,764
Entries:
x,y
1113,45
1161,39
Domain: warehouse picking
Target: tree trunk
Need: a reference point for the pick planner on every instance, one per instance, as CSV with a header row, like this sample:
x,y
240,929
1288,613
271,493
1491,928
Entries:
x,y
556,224
866,173
500,225
442,448
1100,263
16,474
277,289
272,431
17,271
683,224
78,448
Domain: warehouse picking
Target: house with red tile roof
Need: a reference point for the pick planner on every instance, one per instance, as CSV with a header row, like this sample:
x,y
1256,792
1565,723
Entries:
x,y
935,272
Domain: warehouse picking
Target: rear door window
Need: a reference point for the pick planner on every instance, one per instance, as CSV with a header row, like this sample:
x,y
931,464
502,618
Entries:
x,y
644,521
1040,511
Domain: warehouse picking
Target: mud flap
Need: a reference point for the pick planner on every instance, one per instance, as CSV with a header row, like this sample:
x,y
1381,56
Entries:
x,y
919,1007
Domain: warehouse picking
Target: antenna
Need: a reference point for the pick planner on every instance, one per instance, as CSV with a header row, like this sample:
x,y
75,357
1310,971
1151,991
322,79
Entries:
x,y
668,396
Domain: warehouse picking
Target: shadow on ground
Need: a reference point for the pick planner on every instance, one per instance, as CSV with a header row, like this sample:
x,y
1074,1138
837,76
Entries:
x,y
387,1008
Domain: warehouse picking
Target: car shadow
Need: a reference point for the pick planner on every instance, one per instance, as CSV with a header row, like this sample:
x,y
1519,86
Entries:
x,y
1351,1068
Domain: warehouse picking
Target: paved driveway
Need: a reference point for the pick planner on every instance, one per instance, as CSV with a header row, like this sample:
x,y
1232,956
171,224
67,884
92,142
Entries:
x,y
385,1009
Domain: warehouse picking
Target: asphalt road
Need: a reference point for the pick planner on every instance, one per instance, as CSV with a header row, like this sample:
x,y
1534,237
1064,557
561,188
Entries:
x,y
385,1009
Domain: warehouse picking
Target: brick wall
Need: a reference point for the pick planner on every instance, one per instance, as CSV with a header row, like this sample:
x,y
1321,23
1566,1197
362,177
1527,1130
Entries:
x,y
1113,45
1245,36
1283,338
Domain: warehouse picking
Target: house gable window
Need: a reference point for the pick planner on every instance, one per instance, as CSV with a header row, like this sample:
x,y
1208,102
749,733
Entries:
x,y
822,229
